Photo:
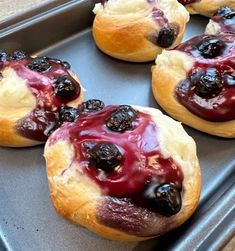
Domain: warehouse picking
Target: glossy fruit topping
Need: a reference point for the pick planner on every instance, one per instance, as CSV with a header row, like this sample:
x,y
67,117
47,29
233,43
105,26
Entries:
x,y
66,65
92,105
211,47
121,119
209,88
207,83
39,64
165,198
166,37
104,156
225,12
65,87
185,2
121,164
68,114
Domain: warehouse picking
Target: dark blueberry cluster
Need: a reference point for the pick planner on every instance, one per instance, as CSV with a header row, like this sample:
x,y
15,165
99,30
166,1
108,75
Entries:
x,y
207,83
92,105
225,12
68,114
105,156
39,64
65,87
164,198
211,47
15,55
122,118
166,37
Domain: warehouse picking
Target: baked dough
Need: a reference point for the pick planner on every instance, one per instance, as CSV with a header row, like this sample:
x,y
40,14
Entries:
x,y
206,7
129,29
18,100
172,67
80,199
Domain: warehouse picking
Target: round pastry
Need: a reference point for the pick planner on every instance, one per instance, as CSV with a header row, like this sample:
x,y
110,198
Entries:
x,y
126,173
222,21
206,7
32,93
195,83
138,30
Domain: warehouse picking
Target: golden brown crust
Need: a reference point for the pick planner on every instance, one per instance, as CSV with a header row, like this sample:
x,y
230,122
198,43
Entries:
x,y
209,7
170,69
128,37
17,101
79,199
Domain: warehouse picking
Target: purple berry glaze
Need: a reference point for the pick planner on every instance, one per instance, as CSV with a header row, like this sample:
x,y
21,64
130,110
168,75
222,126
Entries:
x,y
214,75
185,2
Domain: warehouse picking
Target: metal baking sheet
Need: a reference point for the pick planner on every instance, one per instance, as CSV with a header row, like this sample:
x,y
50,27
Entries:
x,y
27,218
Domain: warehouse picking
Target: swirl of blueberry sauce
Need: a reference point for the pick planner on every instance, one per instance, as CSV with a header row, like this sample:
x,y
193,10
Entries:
x,y
125,163
225,18
209,89
41,75
168,32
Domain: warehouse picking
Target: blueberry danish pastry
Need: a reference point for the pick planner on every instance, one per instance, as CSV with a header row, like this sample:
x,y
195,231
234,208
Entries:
x,y
206,7
127,173
195,83
32,93
138,30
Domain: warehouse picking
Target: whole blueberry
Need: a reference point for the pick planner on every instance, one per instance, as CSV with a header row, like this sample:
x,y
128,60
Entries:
x,y
225,12
39,64
92,105
166,37
208,83
18,55
65,87
3,56
211,47
68,114
65,64
164,199
121,119
105,156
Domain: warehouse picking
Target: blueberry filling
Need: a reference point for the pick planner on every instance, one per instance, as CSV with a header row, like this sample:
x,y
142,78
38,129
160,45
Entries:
x,y
68,114
39,64
121,119
65,64
104,156
166,37
211,47
164,198
92,105
225,12
185,2
65,88
208,83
